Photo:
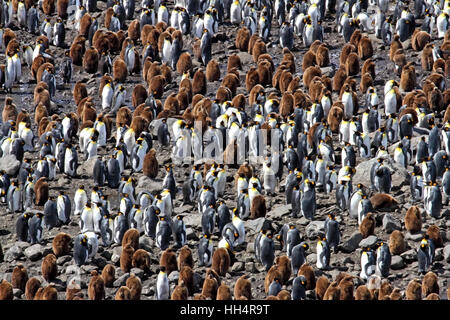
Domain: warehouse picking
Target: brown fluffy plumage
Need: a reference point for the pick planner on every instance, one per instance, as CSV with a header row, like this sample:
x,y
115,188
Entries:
x,y
397,243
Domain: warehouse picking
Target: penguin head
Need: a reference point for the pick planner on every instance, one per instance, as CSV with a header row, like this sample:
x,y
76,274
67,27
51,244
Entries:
x,y
305,246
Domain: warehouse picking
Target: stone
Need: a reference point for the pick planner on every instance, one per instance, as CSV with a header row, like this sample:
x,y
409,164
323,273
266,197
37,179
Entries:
x,y
17,292
34,252
22,245
370,241
250,267
137,272
250,247
146,243
414,237
183,209
352,243
279,211
409,256
390,223
311,258
447,253
122,280
147,184
63,259
13,253
190,234
86,168
238,266
439,254
192,220
314,228
116,252
254,225
87,268
303,221
397,263
173,276
100,262
400,175
73,269
9,164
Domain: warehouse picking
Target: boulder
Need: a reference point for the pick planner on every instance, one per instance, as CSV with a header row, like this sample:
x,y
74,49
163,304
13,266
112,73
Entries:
x,y
409,256
253,226
34,252
173,276
390,223
13,253
311,258
116,252
86,168
10,164
121,281
400,175
314,228
279,211
137,272
370,242
397,263
238,266
447,253
352,243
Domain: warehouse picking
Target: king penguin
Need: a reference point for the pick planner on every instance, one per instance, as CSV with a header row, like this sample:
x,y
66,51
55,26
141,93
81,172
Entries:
x,y
323,253
35,228
267,251
383,263
367,263
298,257
332,233
163,234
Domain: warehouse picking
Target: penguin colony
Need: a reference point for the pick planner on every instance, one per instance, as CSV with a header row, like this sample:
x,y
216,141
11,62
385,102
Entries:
x,y
126,94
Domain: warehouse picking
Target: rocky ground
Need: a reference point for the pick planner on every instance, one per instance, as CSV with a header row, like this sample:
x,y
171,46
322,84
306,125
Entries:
x,y
403,268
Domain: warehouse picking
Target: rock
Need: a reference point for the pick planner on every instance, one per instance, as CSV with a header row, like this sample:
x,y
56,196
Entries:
x,y
447,253
397,263
7,277
409,256
303,221
311,258
34,252
63,181
190,234
22,245
106,254
13,253
73,269
250,247
148,291
253,226
238,266
146,243
370,241
279,211
352,243
439,254
250,267
390,224
17,292
86,168
310,294
100,262
147,184
137,272
9,164
400,175
414,237
192,220
173,276
186,208
61,260
314,228
116,252
87,268
122,280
